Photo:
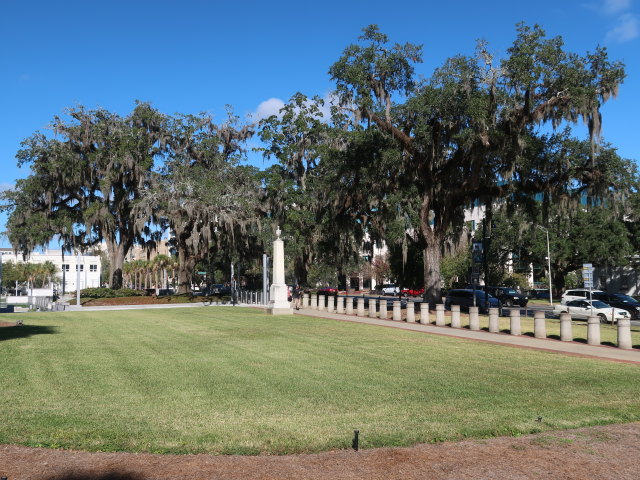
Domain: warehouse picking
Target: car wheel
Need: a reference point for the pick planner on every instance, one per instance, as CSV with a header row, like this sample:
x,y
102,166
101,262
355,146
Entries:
x,y
603,318
508,303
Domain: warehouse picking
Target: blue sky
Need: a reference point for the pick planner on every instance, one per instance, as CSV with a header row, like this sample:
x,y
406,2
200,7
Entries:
x,y
193,56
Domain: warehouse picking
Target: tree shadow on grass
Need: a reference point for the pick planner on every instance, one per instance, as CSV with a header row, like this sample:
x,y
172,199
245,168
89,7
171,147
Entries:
x,y
99,476
23,331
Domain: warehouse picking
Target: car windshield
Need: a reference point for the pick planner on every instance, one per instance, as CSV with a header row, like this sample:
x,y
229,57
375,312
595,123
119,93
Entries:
x,y
599,304
624,298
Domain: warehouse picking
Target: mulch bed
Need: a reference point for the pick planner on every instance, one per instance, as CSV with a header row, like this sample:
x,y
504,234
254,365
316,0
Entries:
x,y
607,452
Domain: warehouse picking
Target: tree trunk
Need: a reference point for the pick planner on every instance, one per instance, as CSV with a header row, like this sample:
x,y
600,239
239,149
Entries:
x,y
186,267
116,259
432,258
432,255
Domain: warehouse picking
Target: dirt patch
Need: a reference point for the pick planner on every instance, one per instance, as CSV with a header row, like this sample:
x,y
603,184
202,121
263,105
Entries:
x,y
595,453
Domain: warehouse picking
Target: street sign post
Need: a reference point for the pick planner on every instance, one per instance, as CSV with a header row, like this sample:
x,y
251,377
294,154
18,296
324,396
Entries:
x,y
587,275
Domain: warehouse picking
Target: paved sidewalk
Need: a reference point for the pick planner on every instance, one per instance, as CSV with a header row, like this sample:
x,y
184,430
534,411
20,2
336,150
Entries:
x,y
522,341
75,308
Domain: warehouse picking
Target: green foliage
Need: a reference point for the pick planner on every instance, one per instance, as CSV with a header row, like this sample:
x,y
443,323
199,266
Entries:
x,y
11,275
109,293
38,275
515,280
85,182
455,269
573,279
322,274
466,133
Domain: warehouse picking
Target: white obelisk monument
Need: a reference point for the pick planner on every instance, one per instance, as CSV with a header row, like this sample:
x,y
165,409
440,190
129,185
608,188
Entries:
x,y
278,293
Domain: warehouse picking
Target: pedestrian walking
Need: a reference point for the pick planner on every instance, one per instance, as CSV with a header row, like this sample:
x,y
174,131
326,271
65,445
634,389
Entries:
x,y
297,297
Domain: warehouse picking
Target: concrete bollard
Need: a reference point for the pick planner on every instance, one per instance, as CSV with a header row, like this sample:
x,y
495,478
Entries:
x,y
340,305
424,313
372,308
305,300
314,301
360,310
397,310
455,316
322,302
539,325
331,303
383,308
624,334
349,309
515,327
474,318
411,312
494,320
593,330
566,329
440,315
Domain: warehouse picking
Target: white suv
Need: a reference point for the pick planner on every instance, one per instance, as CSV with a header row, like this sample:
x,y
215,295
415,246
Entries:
x,y
577,294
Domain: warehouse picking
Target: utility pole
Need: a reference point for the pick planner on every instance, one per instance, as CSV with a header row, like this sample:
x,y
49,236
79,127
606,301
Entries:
x,y
78,279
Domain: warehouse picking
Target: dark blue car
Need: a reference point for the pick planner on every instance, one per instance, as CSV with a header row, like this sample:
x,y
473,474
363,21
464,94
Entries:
x,y
465,298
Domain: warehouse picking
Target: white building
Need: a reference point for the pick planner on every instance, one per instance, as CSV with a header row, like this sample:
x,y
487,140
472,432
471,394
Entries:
x,y
67,267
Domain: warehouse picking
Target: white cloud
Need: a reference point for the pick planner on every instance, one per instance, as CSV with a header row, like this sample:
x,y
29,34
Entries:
x,y
273,106
6,186
626,29
613,7
268,108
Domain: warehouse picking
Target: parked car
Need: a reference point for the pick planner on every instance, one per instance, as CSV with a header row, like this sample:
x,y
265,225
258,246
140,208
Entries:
x,y
582,309
540,293
620,300
507,295
413,292
220,289
577,294
465,298
328,291
387,289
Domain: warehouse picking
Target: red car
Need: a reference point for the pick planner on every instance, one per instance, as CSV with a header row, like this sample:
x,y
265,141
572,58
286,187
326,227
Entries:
x,y
413,292
328,291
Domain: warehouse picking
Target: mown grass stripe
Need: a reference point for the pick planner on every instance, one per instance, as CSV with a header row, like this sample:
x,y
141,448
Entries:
x,y
226,380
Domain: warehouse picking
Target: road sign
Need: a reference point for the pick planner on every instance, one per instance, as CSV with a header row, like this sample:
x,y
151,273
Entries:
x,y
587,275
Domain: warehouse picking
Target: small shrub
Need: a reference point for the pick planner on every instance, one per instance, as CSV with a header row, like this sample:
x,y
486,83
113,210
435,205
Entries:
x,y
128,292
109,293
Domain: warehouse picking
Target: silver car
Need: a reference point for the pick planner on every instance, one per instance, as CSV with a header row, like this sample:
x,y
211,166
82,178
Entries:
x,y
582,309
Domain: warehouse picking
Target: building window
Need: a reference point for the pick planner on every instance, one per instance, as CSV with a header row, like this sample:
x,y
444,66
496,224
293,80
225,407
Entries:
x,y
65,267
81,268
93,268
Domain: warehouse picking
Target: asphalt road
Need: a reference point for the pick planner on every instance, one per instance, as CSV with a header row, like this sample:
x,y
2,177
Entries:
x,y
547,308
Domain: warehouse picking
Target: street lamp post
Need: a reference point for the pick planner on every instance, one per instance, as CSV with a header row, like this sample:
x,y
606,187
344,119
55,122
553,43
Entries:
x,y
548,263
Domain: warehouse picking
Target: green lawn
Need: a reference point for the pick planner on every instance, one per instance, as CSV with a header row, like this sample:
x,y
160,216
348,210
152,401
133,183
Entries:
x,y
226,380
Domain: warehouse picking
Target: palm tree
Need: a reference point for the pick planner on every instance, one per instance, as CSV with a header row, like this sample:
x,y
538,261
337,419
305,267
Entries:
x,y
47,270
127,270
161,262
28,272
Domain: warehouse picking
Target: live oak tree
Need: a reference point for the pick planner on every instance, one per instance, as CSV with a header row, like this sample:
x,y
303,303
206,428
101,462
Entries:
x,y
586,211
85,183
461,133
318,189
296,139
201,193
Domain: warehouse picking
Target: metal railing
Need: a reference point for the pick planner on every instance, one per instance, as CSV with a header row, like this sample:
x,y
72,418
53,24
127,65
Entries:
x,y
252,297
